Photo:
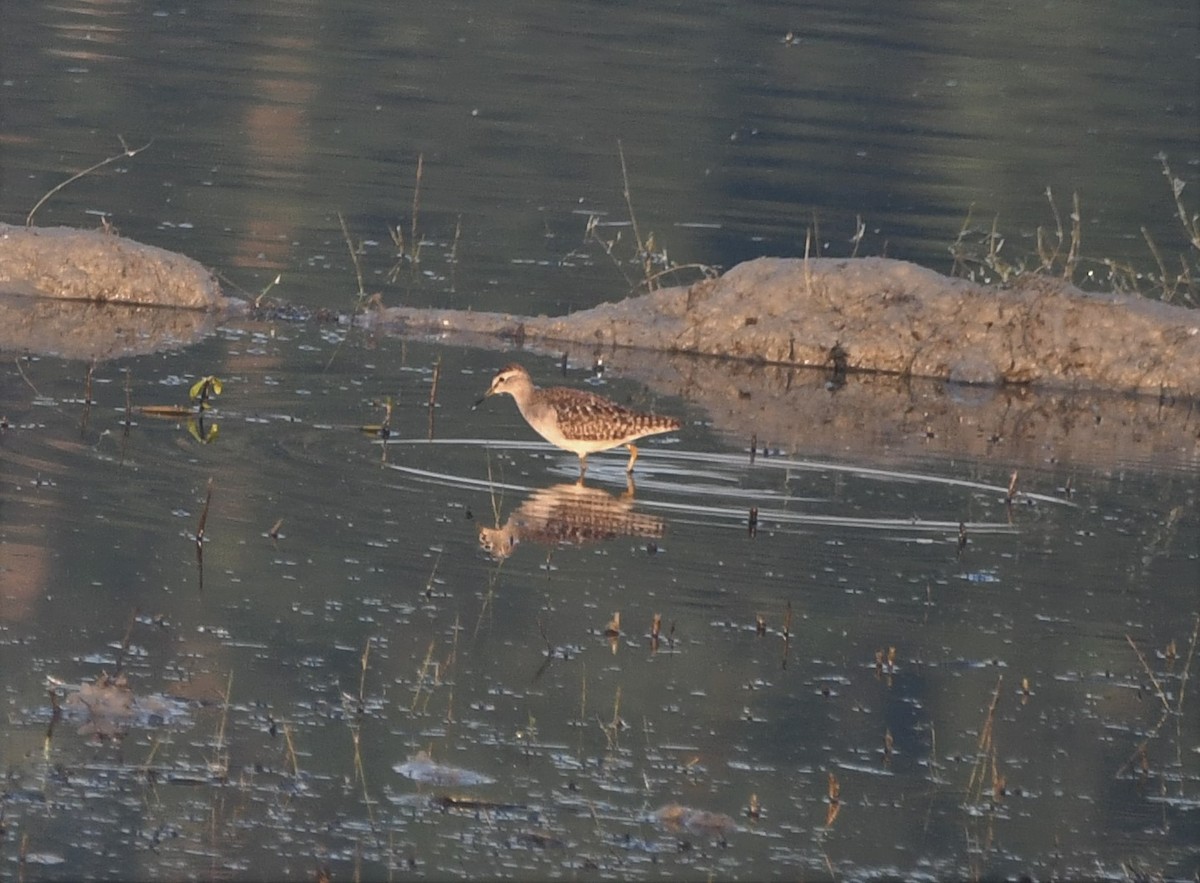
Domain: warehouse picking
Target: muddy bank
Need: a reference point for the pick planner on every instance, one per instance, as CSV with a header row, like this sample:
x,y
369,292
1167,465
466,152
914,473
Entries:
x,y
880,315
84,294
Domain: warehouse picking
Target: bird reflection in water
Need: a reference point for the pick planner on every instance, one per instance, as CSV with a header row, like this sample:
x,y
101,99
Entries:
x,y
570,514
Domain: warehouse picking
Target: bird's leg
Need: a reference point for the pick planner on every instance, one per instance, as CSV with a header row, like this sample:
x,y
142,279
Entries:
x,y
582,467
632,457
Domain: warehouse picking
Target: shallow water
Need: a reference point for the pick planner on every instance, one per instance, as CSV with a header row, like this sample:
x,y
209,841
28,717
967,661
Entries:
x,y
1034,717
499,663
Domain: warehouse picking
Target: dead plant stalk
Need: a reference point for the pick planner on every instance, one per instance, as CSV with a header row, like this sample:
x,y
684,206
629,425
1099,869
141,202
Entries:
x,y
126,153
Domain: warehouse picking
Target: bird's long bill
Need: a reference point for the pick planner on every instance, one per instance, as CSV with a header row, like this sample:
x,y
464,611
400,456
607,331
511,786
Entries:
x,y
484,397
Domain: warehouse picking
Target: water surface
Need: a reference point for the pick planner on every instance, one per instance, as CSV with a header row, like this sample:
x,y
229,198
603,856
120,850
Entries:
x,y
852,690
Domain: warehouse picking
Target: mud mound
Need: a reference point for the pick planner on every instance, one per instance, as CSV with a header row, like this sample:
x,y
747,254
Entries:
x,y
876,314
83,294
88,265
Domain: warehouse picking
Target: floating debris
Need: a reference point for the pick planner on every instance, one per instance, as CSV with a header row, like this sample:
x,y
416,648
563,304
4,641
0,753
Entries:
x,y
835,801
420,767
110,706
613,629
754,808
537,840
694,821
475,804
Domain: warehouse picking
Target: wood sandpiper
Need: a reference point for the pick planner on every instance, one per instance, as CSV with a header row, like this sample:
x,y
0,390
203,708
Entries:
x,y
577,420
